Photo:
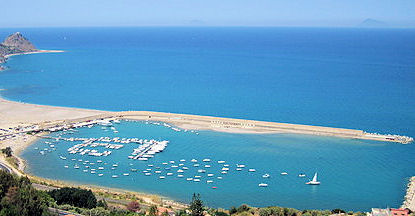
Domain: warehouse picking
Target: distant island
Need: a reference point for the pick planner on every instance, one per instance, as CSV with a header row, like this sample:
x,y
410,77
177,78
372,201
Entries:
x,y
372,23
16,44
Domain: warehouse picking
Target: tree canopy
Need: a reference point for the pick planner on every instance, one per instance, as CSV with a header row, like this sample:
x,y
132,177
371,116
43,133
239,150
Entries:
x,y
74,196
18,197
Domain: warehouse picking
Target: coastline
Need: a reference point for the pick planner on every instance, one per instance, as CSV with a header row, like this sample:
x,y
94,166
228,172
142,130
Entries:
x,y
34,52
5,57
22,143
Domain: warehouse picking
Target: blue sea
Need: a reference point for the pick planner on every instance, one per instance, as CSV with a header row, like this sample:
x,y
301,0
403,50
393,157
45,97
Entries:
x,y
339,77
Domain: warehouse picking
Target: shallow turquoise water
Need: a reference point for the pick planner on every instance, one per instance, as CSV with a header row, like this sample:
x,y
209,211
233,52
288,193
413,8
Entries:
x,y
355,175
349,78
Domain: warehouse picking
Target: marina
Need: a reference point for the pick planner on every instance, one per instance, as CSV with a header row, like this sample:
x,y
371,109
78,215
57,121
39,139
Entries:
x,y
206,165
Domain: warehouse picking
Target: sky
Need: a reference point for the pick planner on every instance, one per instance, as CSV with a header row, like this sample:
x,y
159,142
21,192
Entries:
x,y
75,13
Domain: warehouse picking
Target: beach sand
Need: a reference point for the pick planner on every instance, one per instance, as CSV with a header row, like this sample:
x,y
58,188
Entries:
x,y
15,114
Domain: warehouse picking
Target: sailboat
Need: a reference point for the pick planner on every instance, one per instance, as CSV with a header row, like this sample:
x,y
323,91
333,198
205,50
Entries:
x,y
314,181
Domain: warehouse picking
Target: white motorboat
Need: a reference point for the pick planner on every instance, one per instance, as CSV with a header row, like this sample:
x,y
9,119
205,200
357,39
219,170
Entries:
x,y
266,175
263,185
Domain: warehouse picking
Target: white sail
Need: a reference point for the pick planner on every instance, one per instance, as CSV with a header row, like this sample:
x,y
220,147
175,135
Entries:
x,y
315,178
314,181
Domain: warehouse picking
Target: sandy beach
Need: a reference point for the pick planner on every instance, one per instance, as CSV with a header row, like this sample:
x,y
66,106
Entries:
x,y
13,114
19,115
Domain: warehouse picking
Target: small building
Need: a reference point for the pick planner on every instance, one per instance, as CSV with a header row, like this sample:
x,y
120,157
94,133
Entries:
x,y
161,210
399,212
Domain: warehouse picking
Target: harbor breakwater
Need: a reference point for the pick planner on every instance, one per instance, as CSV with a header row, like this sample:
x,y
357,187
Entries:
x,y
251,126
196,122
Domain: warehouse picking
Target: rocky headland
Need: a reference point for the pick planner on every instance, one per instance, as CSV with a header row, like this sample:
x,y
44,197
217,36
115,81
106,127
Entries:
x,y
15,44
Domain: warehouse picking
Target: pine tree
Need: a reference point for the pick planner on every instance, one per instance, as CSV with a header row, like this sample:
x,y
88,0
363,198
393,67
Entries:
x,y
196,206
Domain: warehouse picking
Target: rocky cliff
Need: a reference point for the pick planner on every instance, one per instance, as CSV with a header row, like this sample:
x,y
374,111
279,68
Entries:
x,y
13,44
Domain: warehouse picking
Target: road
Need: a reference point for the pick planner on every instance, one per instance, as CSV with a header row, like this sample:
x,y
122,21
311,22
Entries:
x,y
4,167
62,212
